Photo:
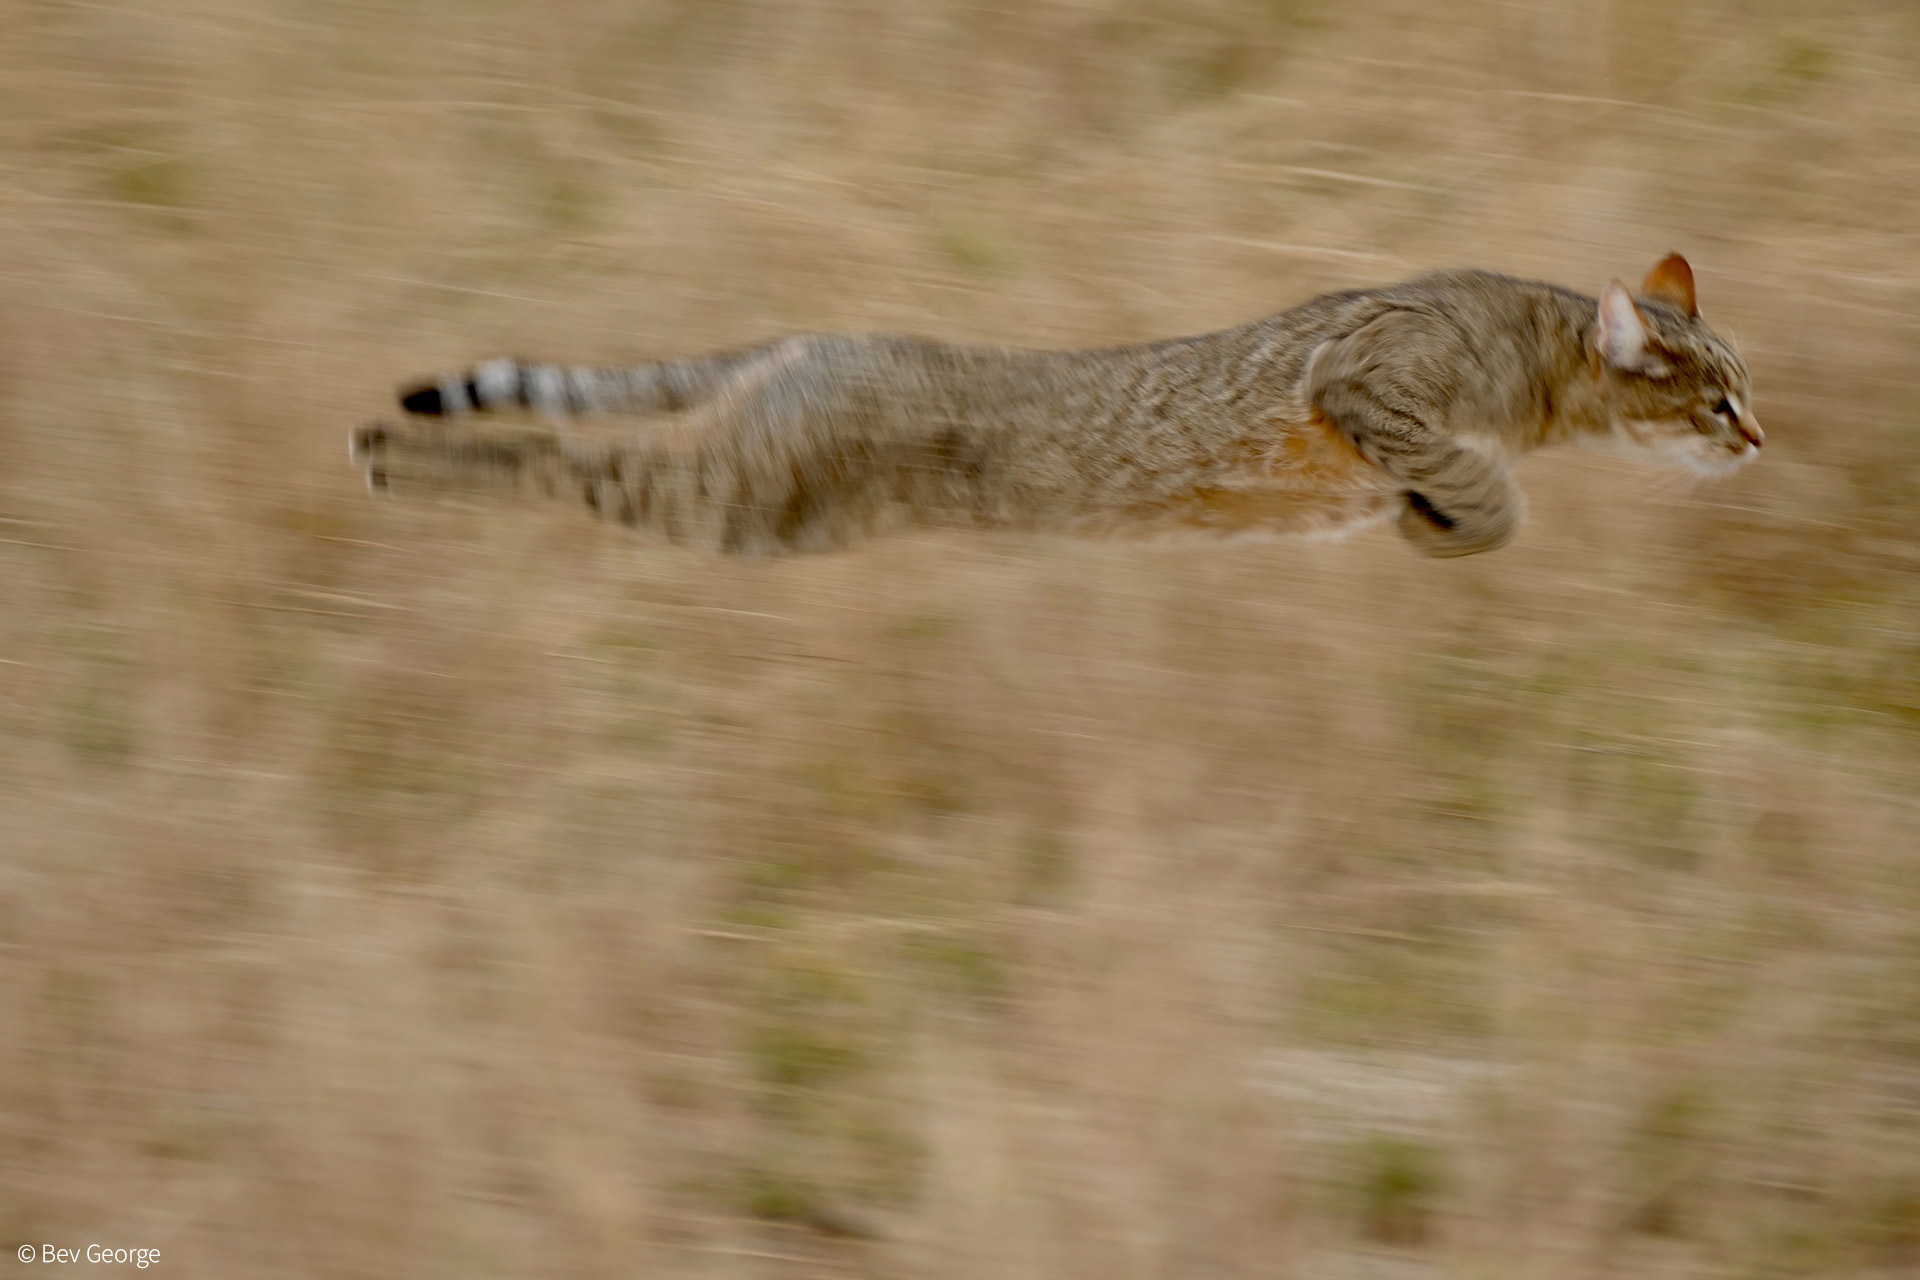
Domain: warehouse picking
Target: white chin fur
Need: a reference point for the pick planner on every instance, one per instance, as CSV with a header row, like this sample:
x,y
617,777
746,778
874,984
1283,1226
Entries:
x,y
1719,462
1720,466
1695,453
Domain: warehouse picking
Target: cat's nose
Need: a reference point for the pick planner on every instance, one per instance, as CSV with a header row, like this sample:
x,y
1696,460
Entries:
x,y
1750,432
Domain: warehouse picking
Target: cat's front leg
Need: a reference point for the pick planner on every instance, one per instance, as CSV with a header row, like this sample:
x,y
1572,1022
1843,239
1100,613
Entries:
x,y
1389,387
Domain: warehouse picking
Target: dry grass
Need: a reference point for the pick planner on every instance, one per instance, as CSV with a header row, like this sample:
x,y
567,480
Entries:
x,y
434,890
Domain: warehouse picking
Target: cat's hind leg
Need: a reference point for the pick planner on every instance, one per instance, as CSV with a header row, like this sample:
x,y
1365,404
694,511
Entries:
x,y
409,459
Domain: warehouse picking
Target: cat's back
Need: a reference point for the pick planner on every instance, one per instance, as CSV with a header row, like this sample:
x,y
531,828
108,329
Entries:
x,y
1470,297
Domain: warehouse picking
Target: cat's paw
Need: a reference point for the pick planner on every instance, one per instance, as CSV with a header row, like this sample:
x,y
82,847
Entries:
x,y
367,451
1448,534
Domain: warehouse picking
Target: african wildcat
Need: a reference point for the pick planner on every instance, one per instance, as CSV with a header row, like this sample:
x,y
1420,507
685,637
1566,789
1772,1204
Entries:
x,y
1407,400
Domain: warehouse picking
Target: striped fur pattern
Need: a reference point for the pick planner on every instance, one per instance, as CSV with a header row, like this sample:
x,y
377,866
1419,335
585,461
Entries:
x,y
1407,402
556,390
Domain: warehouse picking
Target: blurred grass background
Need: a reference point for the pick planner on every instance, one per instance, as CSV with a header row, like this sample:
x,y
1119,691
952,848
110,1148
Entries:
x,y
456,890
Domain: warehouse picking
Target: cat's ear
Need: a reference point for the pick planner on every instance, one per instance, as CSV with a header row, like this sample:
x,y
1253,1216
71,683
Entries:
x,y
1622,337
1672,281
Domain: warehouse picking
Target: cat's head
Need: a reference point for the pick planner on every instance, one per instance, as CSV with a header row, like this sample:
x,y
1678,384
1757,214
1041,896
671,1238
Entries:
x,y
1674,387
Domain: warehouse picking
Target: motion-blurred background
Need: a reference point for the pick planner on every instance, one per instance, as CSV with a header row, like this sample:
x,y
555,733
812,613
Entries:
x,y
466,890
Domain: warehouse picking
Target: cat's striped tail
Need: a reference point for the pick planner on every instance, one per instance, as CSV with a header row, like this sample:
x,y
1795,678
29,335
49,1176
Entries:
x,y
664,386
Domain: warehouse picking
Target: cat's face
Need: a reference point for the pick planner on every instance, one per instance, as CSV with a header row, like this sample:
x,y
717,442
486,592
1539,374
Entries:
x,y
1675,388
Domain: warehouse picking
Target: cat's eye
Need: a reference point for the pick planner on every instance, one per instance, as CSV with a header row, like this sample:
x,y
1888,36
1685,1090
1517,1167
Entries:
x,y
1725,410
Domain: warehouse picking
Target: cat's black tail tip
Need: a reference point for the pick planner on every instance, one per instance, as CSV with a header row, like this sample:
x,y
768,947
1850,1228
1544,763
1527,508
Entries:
x,y
424,401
